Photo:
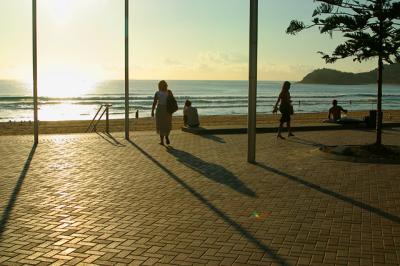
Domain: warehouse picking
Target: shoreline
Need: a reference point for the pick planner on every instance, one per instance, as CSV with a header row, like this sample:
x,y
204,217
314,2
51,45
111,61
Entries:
x,y
148,124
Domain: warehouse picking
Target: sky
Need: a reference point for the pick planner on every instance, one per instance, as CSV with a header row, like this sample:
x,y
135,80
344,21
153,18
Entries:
x,y
169,39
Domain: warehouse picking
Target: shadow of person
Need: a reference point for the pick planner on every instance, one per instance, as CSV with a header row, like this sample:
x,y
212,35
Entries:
x,y
214,138
391,130
202,132
213,171
305,142
220,213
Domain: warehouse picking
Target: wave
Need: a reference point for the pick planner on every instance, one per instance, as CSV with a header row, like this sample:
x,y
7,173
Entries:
x,y
106,98
212,104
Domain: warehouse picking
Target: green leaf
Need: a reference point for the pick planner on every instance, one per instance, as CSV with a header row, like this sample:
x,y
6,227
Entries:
x,y
332,2
315,20
295,27
323,9
369,29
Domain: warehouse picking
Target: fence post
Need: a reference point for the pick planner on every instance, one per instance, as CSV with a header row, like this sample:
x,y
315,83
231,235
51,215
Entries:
x,y
107,123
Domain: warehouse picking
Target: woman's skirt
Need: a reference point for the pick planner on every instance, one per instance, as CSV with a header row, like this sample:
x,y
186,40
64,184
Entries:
x,y
163,120
285,117
286,110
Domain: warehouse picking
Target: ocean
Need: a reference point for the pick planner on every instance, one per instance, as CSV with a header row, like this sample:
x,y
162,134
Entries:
x,y
210,97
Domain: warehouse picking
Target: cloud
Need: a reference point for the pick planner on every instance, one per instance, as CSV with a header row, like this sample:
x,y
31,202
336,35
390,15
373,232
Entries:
x,y
273,71
221,58
172,62
204,65
218,65
224,63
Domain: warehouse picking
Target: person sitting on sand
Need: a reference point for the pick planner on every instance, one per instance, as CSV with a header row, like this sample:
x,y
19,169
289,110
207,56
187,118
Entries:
x,y
336,111
190,115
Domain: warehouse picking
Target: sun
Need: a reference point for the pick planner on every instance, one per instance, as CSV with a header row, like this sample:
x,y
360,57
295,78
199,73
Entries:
x,y
60,5
60,11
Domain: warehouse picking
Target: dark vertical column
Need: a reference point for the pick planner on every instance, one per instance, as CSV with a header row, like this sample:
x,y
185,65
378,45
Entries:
x,y
251,119
127,69
34,62
380,80
107,122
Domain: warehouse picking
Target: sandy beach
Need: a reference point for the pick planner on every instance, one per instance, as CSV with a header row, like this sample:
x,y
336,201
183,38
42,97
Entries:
x,y
143,124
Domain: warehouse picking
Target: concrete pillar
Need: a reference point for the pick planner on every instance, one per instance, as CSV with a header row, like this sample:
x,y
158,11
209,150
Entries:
x,y
127,69
34,62
252,112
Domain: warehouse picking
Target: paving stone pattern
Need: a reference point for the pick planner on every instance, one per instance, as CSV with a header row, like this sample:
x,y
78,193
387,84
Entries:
x,y
93,199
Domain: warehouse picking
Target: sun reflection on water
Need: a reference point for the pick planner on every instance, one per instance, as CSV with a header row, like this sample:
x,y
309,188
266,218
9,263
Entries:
x,y
65,111
65,85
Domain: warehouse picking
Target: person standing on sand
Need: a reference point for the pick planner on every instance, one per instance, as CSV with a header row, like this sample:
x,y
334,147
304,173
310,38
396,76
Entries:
x,y
163,118
286,109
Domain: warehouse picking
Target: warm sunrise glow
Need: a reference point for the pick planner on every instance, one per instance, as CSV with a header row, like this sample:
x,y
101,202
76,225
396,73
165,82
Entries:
x,y
64,84
169,39
60,10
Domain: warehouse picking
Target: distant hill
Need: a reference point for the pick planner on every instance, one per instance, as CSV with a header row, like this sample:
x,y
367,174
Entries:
x,y
391,75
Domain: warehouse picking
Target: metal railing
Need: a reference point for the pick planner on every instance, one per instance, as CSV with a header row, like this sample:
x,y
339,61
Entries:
x,y
93,124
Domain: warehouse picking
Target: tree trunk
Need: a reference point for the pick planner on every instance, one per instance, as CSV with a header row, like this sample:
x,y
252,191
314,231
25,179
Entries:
x,y
379,104
380,69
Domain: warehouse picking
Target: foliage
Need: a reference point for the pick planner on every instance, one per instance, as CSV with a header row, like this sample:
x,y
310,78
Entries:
x,y
370,27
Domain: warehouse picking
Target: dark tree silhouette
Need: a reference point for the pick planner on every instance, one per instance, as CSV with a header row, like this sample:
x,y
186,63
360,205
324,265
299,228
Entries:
x,y
371,29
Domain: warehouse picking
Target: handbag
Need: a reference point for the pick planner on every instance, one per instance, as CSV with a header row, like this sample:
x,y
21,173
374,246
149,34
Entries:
x,y
172,105
286,108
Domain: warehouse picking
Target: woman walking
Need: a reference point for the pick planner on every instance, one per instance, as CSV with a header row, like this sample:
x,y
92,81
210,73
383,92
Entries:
x,y
163,118
286,109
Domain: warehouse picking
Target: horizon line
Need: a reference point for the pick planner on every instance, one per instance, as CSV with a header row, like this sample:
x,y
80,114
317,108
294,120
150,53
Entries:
x,y
22,80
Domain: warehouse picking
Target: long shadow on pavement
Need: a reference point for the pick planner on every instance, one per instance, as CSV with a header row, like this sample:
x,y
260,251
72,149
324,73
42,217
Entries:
x,y
110,139
217,211
396,129
391,131
213,138
13,198
334,194
212,171
207,136
305,142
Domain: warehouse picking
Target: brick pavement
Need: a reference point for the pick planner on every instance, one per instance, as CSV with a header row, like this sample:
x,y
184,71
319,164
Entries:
x,y
90,199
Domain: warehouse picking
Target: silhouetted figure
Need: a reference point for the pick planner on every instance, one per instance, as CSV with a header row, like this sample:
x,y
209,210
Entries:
x,y
190,115
335,112
285,107
163,118
137,114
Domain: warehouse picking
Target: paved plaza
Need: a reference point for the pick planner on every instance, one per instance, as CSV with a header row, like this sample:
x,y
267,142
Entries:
x,y
97,199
